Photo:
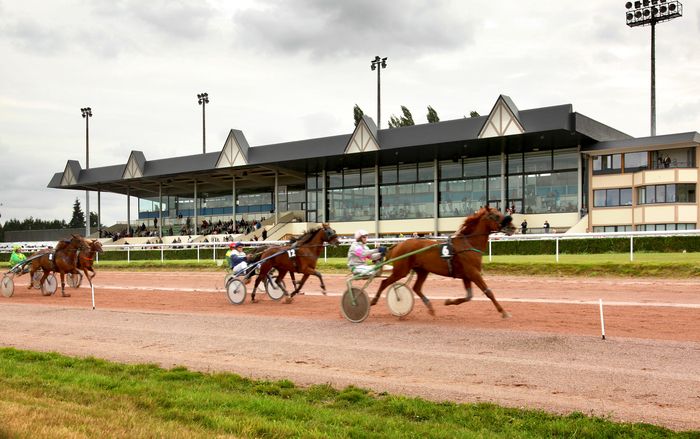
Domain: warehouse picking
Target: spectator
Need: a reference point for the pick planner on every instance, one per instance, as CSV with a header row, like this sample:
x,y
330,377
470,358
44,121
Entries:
x,y
546,226
264,234
523,227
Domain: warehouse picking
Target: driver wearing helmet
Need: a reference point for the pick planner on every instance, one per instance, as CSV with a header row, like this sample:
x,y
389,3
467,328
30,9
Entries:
x,y
237,259
360,254
17,257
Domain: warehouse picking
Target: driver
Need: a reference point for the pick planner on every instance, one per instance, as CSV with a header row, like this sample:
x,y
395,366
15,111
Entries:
x,y
238,260
360,254
17,257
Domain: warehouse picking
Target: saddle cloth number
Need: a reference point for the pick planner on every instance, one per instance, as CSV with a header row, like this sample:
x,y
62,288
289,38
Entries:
x,y
291,253
445,251
50,256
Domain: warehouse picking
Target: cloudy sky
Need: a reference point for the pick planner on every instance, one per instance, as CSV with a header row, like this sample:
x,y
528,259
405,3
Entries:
x,y
283,70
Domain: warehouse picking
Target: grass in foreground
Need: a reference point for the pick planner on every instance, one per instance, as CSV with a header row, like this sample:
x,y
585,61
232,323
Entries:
x,y
50,395
668,265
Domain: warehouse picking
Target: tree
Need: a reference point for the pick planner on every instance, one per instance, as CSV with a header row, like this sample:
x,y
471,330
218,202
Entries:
x,y
473,114
93,220
357,113
405,121
78,219
432,115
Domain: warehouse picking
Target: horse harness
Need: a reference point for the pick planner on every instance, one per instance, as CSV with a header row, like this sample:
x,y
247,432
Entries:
x,y
448,252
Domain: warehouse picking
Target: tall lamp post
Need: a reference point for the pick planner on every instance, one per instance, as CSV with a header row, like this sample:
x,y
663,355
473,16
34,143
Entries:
x,y
648,13
378,64
87,114
203,100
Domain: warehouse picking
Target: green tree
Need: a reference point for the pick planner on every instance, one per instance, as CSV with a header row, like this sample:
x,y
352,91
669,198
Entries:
x,y
432,115
78,218
93,220
357,113
473,114
405,121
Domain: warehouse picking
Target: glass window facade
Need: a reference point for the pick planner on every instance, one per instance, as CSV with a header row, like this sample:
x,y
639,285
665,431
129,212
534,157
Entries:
x,y
666,193
607,164
655,227
353,198
612,197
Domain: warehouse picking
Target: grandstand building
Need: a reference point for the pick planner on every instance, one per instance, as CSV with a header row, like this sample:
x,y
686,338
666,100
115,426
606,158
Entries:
x,y
549,164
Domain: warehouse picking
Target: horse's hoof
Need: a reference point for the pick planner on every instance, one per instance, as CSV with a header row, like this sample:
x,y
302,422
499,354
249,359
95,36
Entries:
x,y
254,301
373,302
449,302
431,311
324,292
505,314
289,299
65,295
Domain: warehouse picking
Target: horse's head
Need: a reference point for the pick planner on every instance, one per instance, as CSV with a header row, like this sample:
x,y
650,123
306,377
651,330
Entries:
x,y
486,221
96,246
329,235
499,222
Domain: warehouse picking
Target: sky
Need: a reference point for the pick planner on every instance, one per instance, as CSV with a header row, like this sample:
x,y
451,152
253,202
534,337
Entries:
x,y
285,70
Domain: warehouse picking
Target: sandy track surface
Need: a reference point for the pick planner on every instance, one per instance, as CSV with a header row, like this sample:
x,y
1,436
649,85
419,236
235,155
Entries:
x,y
550,355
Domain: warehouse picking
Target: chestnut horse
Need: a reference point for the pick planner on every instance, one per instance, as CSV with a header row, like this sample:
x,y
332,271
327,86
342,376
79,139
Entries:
x,y
461,259
300,257
63,259
87,257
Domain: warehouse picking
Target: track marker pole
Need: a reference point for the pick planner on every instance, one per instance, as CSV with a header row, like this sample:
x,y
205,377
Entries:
x,y
92,288
602,321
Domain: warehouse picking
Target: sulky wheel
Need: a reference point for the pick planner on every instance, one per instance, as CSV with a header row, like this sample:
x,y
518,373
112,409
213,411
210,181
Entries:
x,y
235,291
228,277
399,299
7,286
74,280
275,291
355,305
49,286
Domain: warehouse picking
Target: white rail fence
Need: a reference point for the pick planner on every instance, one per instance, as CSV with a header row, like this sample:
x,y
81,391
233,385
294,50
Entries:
x,y
219,248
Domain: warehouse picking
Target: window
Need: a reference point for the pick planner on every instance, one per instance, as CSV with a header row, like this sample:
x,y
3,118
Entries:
x,y
551,192
475,167
495,165
666,193
636,161
450,169
606,229
607,164
612,197
659,227
674,158
461,197
566,160
538,161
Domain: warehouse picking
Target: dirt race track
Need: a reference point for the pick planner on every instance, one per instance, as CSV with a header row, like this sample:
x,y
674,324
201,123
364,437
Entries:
x,y
549,355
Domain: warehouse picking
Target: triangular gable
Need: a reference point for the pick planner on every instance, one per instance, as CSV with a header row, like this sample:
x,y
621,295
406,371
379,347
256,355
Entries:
x,y
234,152
364,138
71,173
503,120
134,166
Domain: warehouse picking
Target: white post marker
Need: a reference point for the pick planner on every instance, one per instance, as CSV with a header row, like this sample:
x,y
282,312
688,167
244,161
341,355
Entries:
x,y
490,258
602,321
92,288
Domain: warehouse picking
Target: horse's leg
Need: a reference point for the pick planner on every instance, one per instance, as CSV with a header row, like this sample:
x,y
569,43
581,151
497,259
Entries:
x,y
43,277
298,287
323,286
479,282
421,276
264,269
396,274
468,286
63,285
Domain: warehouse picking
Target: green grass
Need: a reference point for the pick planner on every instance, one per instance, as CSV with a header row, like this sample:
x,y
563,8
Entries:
x,y
675,265
50,395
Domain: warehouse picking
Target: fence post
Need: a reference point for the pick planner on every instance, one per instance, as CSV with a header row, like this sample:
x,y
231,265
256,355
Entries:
x,y
128,254
325,252
556,240
197,244
162,248
490,250
631,248
97,257
213,251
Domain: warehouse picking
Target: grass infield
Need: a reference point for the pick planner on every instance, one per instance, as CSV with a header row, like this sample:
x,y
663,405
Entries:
x,y
46,395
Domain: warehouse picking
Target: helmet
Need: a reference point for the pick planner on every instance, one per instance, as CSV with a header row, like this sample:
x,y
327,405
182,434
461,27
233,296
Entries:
x,y
16,247
360,233
238,244
232,245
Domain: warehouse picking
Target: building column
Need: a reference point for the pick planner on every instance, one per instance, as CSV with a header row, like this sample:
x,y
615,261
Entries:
x,y
579,179
376,200
275,197
128,211
233,203
503,177
195,208
160,210
323,216
99,216
436,201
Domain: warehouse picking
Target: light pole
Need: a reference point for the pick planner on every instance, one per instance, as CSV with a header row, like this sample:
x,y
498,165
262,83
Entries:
x,y
378,64
203,100
650,12
87,114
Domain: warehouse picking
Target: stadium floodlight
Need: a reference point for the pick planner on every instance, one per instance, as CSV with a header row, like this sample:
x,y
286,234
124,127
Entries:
x,y
378,64
203,100
648,13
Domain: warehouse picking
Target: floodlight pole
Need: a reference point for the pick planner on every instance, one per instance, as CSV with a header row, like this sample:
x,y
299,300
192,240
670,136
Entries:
x,y
203,100
379,64
650,12
87,114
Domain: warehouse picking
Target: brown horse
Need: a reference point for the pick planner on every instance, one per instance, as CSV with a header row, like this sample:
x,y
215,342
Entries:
x,y
300,257
460,259
87,257
63,259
